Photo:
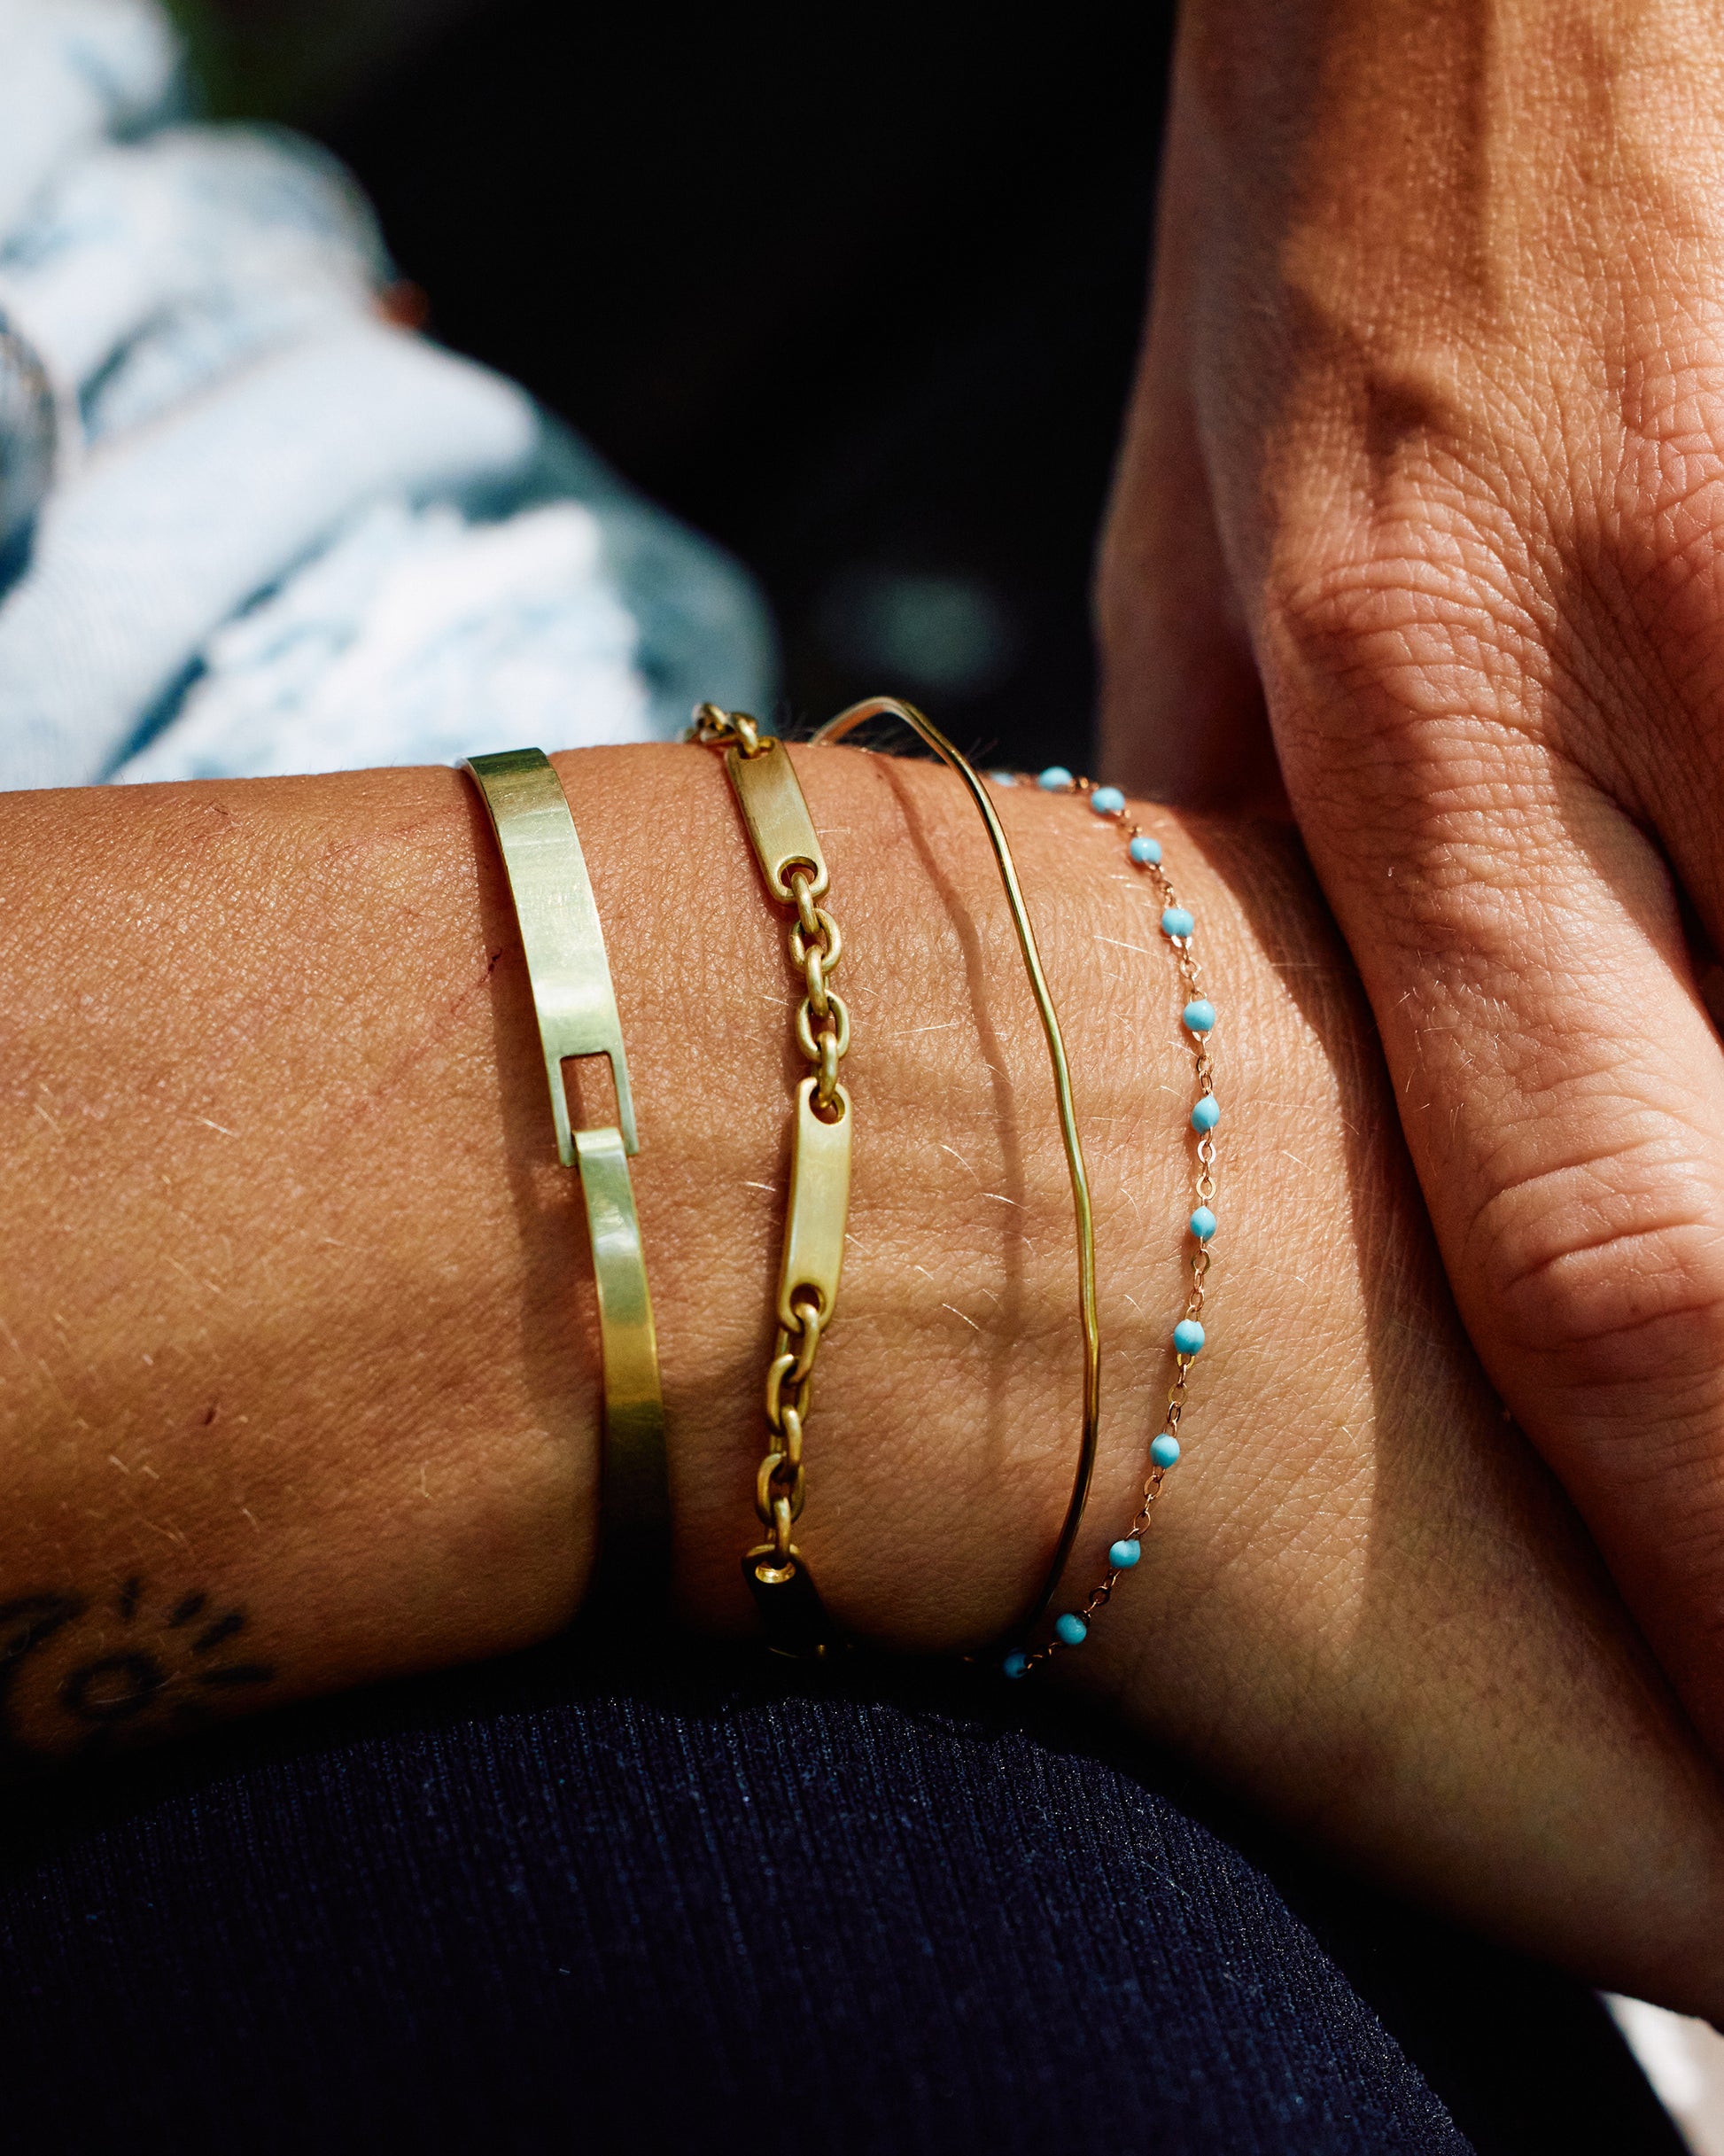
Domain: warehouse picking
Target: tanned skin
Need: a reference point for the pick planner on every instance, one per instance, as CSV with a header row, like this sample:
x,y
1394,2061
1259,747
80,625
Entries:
x,y
297,1355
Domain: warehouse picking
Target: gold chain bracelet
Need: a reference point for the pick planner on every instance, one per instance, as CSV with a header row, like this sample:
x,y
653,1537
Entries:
x,y
789,851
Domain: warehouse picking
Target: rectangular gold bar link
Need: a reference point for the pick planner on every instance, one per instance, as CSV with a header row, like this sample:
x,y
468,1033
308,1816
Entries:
x,y
635,1497
817,1207
770,799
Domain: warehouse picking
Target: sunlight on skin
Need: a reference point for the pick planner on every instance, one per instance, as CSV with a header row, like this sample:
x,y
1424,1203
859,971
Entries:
x,y
306,1325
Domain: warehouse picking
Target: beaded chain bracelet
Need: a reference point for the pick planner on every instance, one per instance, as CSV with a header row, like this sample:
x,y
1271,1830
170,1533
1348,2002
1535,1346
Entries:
x,y
1071,1628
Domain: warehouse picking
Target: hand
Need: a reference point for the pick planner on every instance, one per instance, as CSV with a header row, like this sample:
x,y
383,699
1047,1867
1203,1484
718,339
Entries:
x,y
1429,442
300,1332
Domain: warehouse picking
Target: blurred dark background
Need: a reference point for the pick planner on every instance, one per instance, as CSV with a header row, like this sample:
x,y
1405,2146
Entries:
x,y
857,293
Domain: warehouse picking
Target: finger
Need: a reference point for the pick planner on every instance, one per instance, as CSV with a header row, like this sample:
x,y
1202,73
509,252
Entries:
x,y
1660,537
1561,1087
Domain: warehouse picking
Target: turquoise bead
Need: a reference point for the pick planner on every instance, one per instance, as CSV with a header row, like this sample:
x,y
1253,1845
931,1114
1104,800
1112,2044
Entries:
x,y
1015,1663
1206,1114
1200,1016
1125,1554
1055,779
1108,801
1176,921
1145,851
1203,1224
1165,1451
1002,778
1070,1630
1188,1336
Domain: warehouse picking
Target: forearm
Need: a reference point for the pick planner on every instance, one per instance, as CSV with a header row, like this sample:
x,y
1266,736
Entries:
x,y
305,1323
300,1314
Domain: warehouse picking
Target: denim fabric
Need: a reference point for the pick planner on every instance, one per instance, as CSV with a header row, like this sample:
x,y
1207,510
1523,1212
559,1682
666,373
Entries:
x,y
68,75
73,72
687,1899
170,530
419,634
148,269
234,504
29,436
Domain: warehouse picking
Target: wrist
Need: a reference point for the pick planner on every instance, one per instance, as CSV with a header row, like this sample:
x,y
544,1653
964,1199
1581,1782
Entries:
x,y
947,1408
294,1334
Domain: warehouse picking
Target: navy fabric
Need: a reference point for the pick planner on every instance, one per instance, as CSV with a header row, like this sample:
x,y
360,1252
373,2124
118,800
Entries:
x,y
702,1901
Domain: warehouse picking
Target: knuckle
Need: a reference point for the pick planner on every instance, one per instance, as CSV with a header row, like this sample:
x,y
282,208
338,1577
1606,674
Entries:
x,y
1667,502
1607,1274
1412,615
1660,550
1413,695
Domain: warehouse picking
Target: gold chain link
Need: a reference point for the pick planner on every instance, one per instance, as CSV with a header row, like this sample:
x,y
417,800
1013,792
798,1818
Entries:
x,y
816,946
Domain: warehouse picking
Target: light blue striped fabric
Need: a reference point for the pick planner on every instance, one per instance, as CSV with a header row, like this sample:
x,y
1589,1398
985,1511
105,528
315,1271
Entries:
x,y
254,527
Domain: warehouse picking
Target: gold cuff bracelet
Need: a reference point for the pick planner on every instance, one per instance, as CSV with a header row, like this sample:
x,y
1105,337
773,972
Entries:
x,y
576,1007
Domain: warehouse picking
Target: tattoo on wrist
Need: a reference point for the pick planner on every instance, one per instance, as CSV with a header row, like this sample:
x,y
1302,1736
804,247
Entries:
x,y
80,1672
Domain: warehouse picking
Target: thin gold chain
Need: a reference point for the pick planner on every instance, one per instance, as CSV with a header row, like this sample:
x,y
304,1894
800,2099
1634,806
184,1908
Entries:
x,y
822,1028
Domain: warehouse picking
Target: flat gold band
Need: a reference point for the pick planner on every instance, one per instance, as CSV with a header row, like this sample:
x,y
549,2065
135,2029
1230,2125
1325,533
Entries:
x,y
576,1007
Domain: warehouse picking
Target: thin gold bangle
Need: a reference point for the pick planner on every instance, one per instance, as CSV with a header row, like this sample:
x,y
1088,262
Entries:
x,y
576,1007
890,707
